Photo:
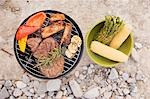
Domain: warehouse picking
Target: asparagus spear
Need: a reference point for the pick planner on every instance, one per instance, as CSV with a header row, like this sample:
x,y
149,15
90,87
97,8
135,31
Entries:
x,y
111,27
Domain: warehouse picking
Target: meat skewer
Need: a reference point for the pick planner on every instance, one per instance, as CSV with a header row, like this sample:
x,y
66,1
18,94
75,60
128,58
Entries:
x,y
67,34
52,29
57,17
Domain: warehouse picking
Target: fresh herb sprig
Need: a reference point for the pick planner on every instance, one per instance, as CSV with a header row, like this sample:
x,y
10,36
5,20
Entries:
x,y
48,61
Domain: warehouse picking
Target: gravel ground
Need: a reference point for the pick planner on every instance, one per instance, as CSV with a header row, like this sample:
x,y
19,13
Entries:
x,y
129,80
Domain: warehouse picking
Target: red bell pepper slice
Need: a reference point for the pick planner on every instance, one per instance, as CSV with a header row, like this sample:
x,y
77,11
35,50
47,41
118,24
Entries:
x,y
32,25
24,30
36,20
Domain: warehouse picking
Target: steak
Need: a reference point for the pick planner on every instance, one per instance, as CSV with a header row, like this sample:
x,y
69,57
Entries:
x,y
33,43
45,46
55,68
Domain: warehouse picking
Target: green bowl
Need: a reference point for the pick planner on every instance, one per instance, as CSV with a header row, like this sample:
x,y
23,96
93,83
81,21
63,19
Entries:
x,y
126,47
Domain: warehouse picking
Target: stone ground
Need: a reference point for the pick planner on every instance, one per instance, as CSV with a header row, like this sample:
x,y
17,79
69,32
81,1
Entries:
x,y
85,13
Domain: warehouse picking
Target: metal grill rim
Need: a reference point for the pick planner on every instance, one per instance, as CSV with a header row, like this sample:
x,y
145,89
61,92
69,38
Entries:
x,y
72,62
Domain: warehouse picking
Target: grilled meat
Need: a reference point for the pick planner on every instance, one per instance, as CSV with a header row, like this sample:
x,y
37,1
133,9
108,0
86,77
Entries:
x,y
52,29
56,68
57,17
67,34
33,43
45,46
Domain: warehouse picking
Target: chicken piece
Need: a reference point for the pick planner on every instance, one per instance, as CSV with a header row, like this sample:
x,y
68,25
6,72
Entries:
x,y
52,29
33,43
57,17
67,34
45,46
55,69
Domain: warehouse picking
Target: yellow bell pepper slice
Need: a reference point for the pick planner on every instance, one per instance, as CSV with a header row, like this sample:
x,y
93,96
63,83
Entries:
x,y
22,44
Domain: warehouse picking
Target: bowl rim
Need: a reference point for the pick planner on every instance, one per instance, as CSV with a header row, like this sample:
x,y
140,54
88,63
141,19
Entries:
x,y
87,51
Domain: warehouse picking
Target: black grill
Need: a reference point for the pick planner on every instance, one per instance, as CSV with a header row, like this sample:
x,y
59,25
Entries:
x,y
27,60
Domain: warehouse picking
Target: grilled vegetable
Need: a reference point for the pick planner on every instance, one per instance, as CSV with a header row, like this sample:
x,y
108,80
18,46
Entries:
x,y
108,52
73,47
22,43
120,37
36,20
76,39
32,25
69,54
111,27
24,31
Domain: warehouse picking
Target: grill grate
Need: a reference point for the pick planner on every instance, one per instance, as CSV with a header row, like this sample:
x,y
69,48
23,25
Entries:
x,y
27,60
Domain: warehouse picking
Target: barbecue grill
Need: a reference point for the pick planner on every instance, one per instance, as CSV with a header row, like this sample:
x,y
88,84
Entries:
x,y
27,60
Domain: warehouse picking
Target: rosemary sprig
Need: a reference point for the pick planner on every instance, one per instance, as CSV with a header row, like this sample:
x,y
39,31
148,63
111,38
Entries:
x,y
48,61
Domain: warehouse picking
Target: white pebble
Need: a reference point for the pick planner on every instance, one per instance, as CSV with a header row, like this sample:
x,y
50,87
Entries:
x,y
97,79
119,97
107,95
114,86
84,67
68,90
128,97
27,93
17,92
11,97
84,72
76,89
90,70
138,45
8,83
50,93
65,92
131,80
109,88
120,91
25,78
76,74
42,95
113,74
133,94
4,93
59,95
20,84
42,88
126,91
36,84
135,55
53,85
31,90
81,76
63,88
92,93
91,65
139,76
125,76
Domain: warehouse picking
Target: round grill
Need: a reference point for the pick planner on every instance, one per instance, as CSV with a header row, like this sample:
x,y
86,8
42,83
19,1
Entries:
x,y
27,60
